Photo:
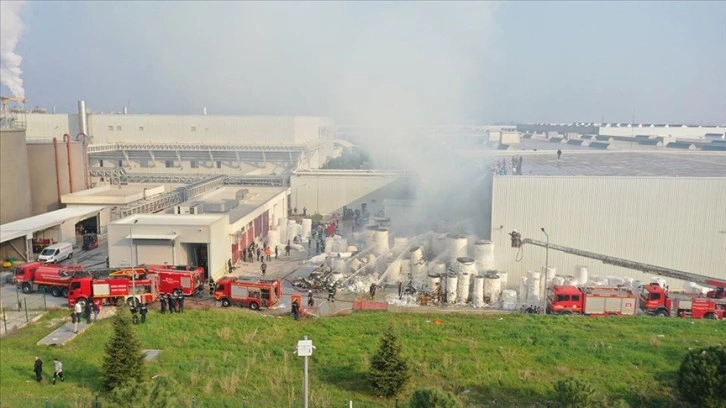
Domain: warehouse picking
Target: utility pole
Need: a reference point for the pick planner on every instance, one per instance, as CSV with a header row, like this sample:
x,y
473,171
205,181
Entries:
x,y
543,284
305,349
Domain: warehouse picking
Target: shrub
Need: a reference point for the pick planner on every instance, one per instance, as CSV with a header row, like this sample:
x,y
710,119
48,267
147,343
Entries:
x,y
124,361
389,370
702,377
159,392
573,393
433,398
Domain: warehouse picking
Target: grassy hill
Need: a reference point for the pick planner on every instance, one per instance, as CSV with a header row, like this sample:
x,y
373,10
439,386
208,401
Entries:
x,y
240,358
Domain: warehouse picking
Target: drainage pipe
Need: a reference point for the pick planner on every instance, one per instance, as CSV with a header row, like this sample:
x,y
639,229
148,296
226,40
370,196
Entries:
x,y
67,139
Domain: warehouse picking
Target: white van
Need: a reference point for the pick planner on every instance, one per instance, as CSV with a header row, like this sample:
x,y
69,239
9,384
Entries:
x,y
56,253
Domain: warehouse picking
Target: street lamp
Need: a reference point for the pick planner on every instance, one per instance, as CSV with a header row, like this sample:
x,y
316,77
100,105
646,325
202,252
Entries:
x,y
547,268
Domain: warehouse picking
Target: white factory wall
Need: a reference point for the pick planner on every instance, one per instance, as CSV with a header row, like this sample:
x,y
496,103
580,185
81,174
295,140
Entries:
x,y
691,132
677,223
50,125
326,192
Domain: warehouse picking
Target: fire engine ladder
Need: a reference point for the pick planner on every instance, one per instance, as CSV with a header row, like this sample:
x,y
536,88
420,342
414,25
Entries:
x,y
639,266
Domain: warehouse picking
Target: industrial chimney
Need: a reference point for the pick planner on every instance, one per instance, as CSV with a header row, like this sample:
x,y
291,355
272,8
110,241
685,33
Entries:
x,y
204,111
82,117
126,110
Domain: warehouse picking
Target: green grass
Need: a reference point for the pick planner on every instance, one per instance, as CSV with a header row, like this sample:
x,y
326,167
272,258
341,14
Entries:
x,y
230,357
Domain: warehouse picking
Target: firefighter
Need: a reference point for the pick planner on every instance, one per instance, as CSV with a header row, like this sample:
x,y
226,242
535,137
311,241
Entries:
x,y
229,266
516,239
134,311
144,311
311,301
211,287
372,290
263,268
162,300
38,368
170,302
87,310
276,251
295,310
287,248
180,301
331,292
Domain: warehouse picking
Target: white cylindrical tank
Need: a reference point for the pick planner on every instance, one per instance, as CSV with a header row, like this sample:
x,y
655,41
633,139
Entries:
x,y
415,255
509,299
381,241
329,245
406,272
451,282
355,264
463,288
523,284
503,278
457,246
438,268
419,272
558,280
434,282
477,293
534,282
581,273
550,272
282,227
660,281
438,243
293,230
399,244
466,265
484,256
616,281
307,226
340,244
492,288
273,239
571,281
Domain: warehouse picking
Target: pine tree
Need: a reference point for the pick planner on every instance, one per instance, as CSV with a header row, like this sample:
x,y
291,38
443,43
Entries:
x,y
162,391
389,370
124,361
433,398
702,376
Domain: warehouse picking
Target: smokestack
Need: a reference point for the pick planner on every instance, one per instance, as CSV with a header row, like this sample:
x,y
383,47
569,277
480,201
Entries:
x,y
204,111
53,110
126,110
82,117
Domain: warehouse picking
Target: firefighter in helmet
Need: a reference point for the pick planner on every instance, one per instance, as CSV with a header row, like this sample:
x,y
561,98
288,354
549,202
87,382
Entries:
x,y
516,239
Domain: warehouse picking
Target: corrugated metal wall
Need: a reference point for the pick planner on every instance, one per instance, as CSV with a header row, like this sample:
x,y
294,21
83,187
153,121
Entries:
x,y
677,223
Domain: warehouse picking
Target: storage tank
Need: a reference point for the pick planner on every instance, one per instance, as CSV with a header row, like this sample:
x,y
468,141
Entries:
x,y
282,226
477,293
438,243
273,239
415,255
457,246
451,282
15,176
523,285
534,283
438,268
492,288
503,278
581,273
509,299
466,265
463,288
380,237
434,282
392,273
399,244
484,256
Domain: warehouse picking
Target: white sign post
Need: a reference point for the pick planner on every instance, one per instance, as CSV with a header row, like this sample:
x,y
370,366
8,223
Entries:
x,y
305,349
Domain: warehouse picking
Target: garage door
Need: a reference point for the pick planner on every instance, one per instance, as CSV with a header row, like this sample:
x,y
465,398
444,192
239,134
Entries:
x,y
153,251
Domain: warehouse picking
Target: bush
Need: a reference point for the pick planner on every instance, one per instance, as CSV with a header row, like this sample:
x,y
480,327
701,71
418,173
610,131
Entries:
x,y
160,392
389,371
573,393
433,398
124,361
702,377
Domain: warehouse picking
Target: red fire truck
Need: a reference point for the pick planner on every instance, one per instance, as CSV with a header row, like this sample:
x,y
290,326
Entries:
x,y
654,301
113,290
248,291
594,301
32,276
188,280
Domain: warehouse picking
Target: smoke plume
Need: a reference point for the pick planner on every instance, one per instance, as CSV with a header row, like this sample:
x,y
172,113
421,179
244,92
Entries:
x,y
12,28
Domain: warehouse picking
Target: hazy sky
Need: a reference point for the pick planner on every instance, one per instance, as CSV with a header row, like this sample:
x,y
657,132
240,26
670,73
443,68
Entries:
x,y
418,62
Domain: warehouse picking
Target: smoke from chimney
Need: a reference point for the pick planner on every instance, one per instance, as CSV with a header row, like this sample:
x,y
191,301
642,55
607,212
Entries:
x,y
11,29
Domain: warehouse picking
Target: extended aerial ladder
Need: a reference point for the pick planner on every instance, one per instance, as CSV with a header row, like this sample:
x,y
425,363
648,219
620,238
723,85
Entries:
x,y
720,285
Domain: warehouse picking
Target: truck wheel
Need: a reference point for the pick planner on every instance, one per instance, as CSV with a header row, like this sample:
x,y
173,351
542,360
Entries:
x,y
566,312
26,288
55,291
119,301
64,292
254,306
225,303
711,316
661,313
81,301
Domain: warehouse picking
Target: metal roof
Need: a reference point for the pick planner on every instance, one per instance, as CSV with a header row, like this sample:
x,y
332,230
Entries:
x,y
28,226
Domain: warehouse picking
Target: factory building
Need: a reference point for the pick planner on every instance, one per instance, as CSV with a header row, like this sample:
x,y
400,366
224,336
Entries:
x,y
210,230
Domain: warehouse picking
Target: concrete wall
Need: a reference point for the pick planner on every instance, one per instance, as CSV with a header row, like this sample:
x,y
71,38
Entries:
x,y
14,177
327,191
677,223
43,171
48,125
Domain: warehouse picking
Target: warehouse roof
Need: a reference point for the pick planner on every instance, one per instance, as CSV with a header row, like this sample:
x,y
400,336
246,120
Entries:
x,y
28,226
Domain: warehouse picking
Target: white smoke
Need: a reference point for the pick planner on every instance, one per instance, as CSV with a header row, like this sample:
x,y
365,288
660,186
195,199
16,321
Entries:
x,y
11,29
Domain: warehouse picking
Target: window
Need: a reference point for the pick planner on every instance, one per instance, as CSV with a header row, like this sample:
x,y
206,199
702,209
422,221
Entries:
x,y
563,298
219,164
194,164
141,128
654,296
575,298
169,164
194,128
110,128
118,127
